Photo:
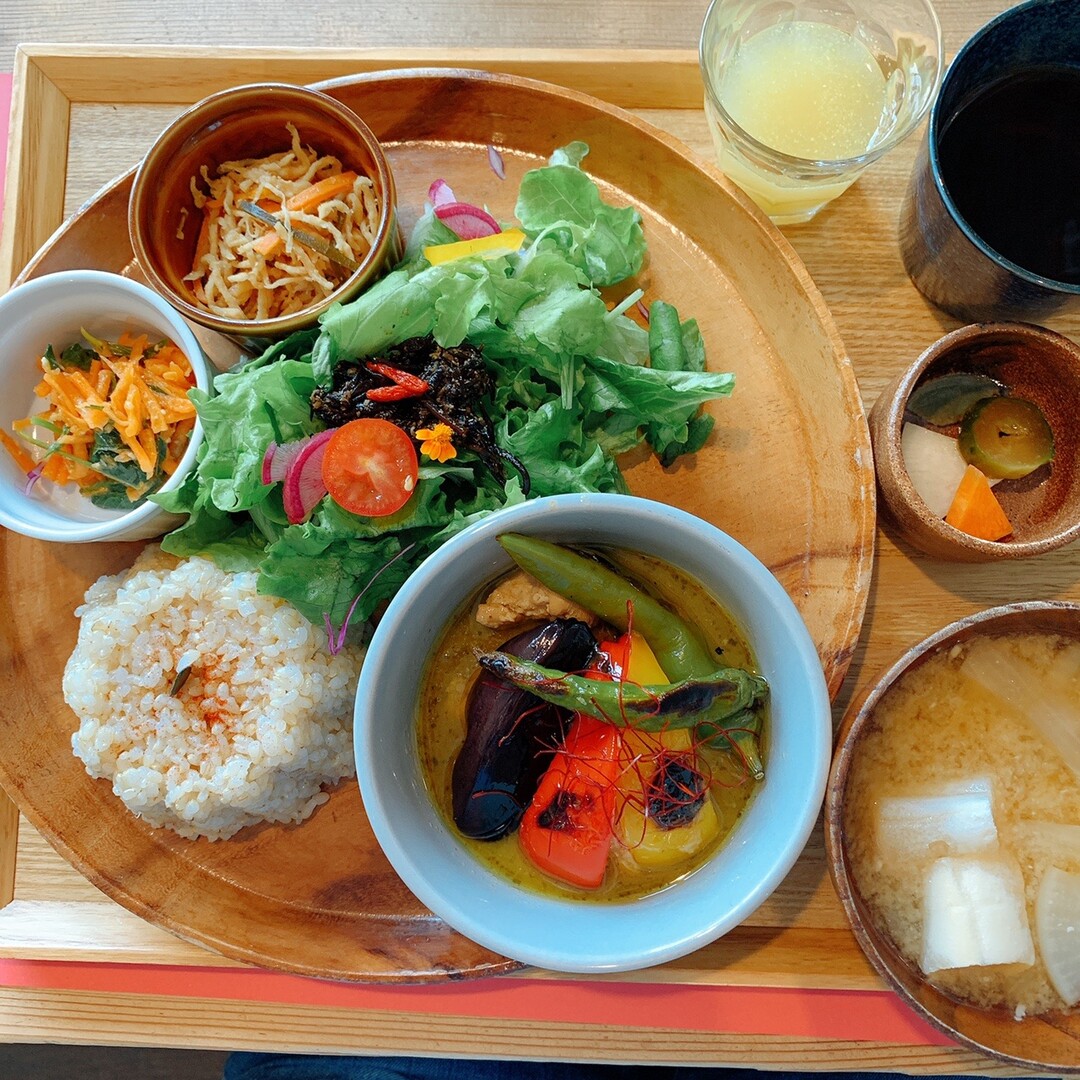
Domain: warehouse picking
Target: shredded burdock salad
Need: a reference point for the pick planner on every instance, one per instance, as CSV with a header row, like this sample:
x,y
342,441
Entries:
x,y
246,269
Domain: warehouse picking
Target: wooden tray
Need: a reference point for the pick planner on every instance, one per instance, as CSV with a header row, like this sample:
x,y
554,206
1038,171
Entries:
x,y
320,898
79,118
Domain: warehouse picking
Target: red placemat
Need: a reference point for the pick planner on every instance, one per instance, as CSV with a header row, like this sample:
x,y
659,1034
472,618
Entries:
x,y
839,1015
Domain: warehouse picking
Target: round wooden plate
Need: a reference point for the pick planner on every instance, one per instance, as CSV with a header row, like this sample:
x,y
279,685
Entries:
x,y
787,472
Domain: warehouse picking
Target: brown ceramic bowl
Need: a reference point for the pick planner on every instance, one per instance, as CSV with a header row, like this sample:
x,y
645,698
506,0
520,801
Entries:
x,y
1044,509
247,122
1050,1041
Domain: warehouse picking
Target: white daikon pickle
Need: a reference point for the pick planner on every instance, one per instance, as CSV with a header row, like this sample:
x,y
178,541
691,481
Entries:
x,y
957,819
992,664
974,914
1057,930
935,465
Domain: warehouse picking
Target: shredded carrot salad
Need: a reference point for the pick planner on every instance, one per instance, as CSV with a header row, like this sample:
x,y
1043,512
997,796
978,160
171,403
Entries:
x,y
244,269
117,422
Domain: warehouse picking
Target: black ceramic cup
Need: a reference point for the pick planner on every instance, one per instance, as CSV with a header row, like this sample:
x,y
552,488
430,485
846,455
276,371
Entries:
x,y
990,225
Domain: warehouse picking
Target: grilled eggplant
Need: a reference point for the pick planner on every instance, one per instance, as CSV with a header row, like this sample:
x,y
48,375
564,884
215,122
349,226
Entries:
x,y
511,735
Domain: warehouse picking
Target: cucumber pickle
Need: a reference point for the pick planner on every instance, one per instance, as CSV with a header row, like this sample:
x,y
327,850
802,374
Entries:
x,y
1006,437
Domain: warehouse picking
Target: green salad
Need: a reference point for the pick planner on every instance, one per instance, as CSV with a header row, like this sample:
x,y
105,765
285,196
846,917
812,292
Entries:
x,y
573,384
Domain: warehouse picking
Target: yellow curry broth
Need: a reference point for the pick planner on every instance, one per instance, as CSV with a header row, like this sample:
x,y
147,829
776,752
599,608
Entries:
x,y
452,669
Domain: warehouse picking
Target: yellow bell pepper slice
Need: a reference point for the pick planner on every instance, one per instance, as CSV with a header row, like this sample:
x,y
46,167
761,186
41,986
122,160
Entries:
x,y
485,247
642,840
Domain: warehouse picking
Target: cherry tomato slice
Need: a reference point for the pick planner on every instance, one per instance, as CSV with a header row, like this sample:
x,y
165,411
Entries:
x,y
370,467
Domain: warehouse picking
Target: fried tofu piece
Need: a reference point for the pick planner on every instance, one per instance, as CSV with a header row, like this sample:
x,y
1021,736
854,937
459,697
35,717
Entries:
x,y
520,598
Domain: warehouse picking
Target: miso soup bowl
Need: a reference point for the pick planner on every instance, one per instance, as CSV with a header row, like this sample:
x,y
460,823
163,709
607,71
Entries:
x,y
571,934
1050,1041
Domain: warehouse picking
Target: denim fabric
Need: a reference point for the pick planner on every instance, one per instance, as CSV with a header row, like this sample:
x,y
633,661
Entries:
x,y
244,1066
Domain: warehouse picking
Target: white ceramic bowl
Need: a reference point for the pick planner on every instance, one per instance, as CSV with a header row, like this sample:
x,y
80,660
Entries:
x,y
568,935
51,310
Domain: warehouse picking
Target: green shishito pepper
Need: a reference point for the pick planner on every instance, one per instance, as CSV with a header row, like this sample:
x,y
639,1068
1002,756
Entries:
x,y
596,587
727,692
678,649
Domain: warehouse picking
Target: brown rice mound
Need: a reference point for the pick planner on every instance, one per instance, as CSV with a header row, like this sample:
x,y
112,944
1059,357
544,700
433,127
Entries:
x,y
260,724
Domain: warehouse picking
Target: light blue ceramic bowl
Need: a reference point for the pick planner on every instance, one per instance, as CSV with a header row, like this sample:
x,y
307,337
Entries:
x,y
568,935
54,309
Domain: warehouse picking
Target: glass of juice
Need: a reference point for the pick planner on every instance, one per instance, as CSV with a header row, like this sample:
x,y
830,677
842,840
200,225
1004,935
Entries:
x,y
802,95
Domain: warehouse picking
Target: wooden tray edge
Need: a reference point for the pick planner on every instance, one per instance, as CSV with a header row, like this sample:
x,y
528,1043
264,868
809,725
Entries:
x,y
50,78
41,78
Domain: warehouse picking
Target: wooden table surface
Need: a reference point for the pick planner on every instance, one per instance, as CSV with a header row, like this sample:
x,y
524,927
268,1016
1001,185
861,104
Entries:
x,y
851,253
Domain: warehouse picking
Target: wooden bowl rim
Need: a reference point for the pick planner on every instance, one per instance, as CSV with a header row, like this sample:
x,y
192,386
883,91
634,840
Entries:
x,y
857,716
887,417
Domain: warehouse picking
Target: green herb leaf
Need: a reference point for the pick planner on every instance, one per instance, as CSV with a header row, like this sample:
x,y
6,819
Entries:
x,y
562,202
103,457
78,356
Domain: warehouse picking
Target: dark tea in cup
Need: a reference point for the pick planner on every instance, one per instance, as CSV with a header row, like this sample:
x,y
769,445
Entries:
x,y
990,227
1010,158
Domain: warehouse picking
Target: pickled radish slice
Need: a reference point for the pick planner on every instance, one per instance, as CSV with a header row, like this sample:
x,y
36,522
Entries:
x,y
1006,437
304,487
467,221
278,458
440,193
934,464
1057,930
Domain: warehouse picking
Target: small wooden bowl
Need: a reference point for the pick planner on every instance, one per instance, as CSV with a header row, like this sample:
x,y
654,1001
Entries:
x,y
1050,1041
1034,363
249,122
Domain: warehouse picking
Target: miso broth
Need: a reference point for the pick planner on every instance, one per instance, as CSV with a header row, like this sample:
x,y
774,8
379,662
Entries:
x,y
936,729
441,723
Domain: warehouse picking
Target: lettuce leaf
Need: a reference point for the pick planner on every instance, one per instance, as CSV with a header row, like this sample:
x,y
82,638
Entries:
x,y
576,384
562,202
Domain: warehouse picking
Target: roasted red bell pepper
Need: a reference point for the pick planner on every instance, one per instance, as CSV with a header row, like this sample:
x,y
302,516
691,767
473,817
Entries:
x,y
566,831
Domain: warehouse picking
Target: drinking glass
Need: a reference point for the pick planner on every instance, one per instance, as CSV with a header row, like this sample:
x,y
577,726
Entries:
x,y
802,95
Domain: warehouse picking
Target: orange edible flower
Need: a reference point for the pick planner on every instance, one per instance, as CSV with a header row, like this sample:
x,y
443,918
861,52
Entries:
x,y
436,443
